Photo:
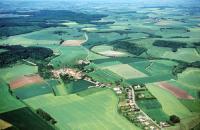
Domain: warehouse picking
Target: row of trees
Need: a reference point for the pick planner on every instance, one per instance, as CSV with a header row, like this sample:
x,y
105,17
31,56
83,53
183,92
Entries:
x,y
183,66
46,116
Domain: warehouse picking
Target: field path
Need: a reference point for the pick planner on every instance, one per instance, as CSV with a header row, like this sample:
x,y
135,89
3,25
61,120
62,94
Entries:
x,y
88,52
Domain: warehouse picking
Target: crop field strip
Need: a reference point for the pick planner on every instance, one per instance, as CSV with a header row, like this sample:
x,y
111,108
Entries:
x,y
179,93
125,71
104,75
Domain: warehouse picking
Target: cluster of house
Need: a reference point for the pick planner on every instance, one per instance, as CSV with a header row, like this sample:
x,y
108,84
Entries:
x,y
71,72
131,101
141,118
148,125
97,84
117,90
83,62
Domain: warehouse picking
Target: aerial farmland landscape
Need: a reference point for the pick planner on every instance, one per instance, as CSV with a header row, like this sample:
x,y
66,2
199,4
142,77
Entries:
x,y
99,65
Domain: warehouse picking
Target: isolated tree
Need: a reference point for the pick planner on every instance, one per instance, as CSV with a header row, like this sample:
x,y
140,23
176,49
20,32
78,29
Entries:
x,y
174,119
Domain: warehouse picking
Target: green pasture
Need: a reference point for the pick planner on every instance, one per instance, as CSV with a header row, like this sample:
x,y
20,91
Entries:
x,y
95,111
16,71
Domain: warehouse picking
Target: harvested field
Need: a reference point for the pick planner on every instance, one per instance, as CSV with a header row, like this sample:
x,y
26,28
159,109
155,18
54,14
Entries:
x,y
112,53
179,93
73,42
25,80
126,71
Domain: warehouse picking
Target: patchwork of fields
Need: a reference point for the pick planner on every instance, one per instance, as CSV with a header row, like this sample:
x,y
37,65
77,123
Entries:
x,y
148,57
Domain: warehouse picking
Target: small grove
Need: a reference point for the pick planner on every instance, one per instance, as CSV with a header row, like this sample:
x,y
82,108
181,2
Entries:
x,y
129,47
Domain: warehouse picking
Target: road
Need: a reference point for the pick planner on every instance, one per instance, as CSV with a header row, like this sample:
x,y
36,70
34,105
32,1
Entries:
x,y
133,99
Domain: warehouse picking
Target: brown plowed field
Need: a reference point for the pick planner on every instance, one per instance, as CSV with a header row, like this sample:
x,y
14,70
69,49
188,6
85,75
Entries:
x,y
179,93
25,80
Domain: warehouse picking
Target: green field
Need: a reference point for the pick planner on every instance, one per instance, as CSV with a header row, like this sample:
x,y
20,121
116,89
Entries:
x,y
45,36
125,71
152,67
32,90
192,105
8,102
78,86
185,54
95,111
107,64
153,108
107,50
151,79
126,43
16,112
94,56
10,73
104,75
190,77
68,56
170,104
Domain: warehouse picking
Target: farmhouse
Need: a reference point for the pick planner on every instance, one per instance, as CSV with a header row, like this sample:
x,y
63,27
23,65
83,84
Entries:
x,y
117,90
